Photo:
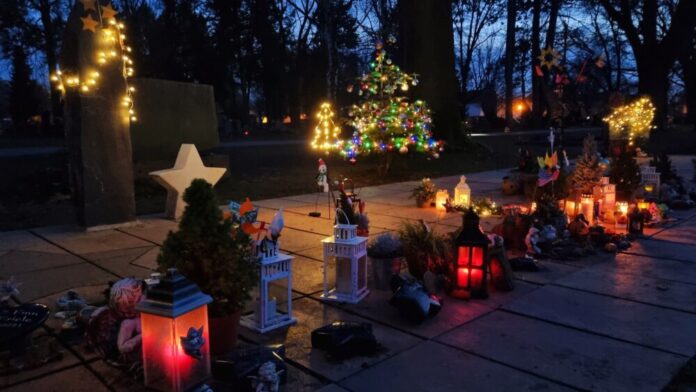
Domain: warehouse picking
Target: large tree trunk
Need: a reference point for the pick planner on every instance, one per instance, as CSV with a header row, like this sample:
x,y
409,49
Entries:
x,y
688,64
537,107
50,47
510,59
653,80
428,50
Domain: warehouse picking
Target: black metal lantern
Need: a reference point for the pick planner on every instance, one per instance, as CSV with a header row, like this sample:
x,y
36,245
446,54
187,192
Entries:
x,y
636,221
469,274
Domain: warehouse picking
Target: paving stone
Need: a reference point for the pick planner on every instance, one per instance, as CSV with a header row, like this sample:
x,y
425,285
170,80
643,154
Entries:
x,y
332,388
639,288
548,272
394,199
24,240
312,314
37,284
148,259
648,325
683,233
663,249
576,358
315,253
307,275
296,240
117,379
680,271
303,222
454,312
308,198
20,261
427,214
122,262
79,242
77,379
152,229
45,344
280,202
434,367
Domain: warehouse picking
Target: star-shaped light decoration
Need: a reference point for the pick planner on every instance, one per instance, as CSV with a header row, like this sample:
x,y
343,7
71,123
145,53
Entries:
x,y
89,24
188,166
108,12
89,5
549,58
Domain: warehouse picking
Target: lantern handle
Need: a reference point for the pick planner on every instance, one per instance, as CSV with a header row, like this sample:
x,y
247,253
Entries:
x,y
340,210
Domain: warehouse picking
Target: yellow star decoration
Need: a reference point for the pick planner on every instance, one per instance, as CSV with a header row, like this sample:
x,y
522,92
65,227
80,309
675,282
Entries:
x,y
108,12
89,24
549,58
89,5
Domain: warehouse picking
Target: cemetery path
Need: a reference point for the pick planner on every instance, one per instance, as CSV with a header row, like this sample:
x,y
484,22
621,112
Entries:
x,y
601,323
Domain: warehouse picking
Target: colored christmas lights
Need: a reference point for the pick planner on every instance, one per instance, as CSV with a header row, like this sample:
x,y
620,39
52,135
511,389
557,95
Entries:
x,y
385,121
631,121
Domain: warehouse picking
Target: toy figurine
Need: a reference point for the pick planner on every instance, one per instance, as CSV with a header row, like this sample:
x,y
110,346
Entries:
x,y
192,342
322,177
268,379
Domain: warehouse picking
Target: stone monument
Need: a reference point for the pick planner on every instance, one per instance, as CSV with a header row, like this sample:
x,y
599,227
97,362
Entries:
x,y
94,67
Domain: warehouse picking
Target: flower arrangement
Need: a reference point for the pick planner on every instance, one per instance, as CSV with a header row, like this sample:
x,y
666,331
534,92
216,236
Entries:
x,y
424,193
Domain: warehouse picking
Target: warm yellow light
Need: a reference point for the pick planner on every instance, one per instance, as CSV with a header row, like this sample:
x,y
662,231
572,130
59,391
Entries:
x,y
326,132
85,88
649,188
404,87
264,120
519,107
631,120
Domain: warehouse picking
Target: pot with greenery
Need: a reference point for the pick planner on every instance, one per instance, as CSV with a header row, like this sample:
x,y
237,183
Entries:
x,y
215,254
423,249
386,257
424,193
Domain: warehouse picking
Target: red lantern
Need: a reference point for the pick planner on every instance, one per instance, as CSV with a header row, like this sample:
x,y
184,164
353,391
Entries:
x,y
470,270
174,322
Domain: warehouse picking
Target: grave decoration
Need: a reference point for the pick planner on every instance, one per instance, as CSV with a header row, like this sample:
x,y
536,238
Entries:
x,y
73,309
275,268
322,176
114,331
469,271
424,193
502,276
424,250
588,170
631,121
216,254
248,368
188,166
442,199
636,221
348,253
174,323
384,120
462,193
362,220
17,323
345,339
326,133
624,172
483,207
412,300
621,214
93,79
386,256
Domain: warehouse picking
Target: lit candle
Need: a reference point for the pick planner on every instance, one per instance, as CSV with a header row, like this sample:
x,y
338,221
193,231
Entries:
x,y
441,199
587,207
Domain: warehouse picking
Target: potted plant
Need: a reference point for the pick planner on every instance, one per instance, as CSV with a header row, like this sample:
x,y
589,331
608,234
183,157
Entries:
x,y
217,256
386,256
423,249
424,193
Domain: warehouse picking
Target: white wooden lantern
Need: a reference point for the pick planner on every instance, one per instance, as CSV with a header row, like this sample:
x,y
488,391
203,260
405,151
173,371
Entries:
x,y
349,253
462,193
274,267
650,179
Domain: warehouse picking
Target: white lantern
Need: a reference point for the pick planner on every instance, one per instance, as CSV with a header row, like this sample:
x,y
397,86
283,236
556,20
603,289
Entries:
x,y
348,253
462,193
650,179
587,207
275,267
441,199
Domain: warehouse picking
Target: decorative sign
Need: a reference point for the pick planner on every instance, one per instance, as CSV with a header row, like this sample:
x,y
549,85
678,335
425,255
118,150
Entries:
x,y
16,322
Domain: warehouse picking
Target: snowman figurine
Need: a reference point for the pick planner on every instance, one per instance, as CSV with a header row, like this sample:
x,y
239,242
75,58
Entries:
x,y
322,178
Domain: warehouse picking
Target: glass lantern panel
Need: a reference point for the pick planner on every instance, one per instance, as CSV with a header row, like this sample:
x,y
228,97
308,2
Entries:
x,y
192,371
477,256
159,351
362,272
277,299
463,256
344,282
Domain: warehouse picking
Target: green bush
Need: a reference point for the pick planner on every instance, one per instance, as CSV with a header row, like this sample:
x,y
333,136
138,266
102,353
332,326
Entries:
x,y
211,251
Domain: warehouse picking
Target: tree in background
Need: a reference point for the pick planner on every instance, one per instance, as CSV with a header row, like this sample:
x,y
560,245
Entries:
x,y
23,102
588,171
510,59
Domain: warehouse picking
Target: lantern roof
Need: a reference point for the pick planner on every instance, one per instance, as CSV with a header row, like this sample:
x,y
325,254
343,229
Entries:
x,y
462,183
173,296
471,233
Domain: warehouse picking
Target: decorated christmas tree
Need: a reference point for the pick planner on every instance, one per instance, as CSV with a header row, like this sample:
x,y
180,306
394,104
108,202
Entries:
x,y
588,171
385,120
625,173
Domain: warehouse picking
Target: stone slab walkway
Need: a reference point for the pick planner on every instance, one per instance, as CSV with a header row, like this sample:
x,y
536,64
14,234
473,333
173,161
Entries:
x,y
602,323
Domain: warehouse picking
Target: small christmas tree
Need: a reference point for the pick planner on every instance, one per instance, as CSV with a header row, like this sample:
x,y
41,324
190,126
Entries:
x,y
385,120
625,173
588,171
211,252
